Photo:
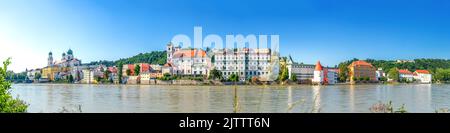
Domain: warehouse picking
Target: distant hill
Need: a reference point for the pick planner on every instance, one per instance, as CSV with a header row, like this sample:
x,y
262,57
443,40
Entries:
x,y
440,68
154,57
103,62
423,64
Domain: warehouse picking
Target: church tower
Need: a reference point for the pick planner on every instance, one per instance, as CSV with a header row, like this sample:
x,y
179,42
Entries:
x,y
70,54
169,50
50,59
63,56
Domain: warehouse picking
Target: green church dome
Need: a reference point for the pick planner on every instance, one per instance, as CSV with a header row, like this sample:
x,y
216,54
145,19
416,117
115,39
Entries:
x,y
70,52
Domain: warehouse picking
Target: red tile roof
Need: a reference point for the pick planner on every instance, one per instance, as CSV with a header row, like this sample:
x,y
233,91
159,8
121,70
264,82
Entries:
x,y
319,66
423,71
131,68
145,67
360,63
189,53
112,69
404,71
168,65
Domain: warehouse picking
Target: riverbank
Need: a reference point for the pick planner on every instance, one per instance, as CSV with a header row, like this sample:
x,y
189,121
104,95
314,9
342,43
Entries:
x,y
237,84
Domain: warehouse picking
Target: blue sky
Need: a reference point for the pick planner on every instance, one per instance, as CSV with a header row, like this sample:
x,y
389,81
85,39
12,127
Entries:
x,y
327,30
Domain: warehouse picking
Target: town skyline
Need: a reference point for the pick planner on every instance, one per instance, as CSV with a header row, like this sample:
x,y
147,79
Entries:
x,y
309,31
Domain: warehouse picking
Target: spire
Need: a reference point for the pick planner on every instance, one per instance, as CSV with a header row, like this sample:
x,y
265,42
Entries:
x,y
319,66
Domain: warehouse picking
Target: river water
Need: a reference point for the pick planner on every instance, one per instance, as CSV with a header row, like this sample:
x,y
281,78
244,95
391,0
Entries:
x,y
212,99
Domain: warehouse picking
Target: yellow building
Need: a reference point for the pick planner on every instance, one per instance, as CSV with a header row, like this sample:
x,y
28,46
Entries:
x,y
49,72
361,70
88,77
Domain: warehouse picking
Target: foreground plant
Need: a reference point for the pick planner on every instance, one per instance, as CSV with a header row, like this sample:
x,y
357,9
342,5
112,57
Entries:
x,y
304,109
387,108
442,110
8,104
68,110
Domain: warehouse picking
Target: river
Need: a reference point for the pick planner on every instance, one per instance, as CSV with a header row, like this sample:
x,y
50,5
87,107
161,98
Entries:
x,y
220,99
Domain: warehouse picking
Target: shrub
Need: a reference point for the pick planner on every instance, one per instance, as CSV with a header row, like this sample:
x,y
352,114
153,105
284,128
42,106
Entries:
x,y
8,104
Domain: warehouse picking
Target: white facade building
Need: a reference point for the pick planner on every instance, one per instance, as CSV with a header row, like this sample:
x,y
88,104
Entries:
x,y
188,61
325,75
332,76
422,76
405,74
380,73
31,74
246,63
167,68
88,76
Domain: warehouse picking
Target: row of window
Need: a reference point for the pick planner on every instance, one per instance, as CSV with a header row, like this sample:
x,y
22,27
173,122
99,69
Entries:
x,y
241,68
246,73
248,63
242,58
189,71
295,66
197,61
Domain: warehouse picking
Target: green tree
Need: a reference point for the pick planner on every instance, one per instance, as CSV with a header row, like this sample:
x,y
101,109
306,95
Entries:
x,y
106,74
403,80
38,76
120,67
442,75
128,72
166,76
343,71
101,62
213,59
8,104
293,77
234,78
384,79
367,78
215,74
393,74
154,57
137,70
284,74
98,79
361,79
423,64
70,79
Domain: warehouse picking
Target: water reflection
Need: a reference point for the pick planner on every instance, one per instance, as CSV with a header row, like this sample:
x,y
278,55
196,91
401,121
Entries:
x,y
351,95
290,103
147,98
316,99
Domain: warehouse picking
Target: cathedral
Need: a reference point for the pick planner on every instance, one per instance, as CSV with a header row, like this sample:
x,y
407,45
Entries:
x,y
67,60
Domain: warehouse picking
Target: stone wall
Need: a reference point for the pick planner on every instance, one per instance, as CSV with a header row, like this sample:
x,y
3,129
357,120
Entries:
x,y
187,82
145,81
161,82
